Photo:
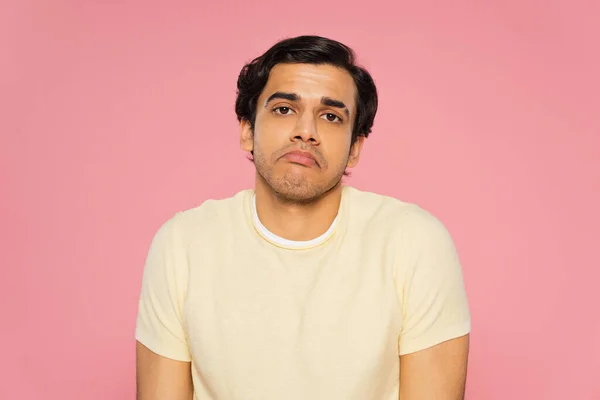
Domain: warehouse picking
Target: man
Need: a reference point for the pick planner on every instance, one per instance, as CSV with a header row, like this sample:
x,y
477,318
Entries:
x,y
303,288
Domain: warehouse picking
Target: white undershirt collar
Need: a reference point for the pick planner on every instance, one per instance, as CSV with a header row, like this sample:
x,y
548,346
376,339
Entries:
x,y
285,243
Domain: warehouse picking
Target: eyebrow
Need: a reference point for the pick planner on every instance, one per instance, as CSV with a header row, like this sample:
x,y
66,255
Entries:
x,y
328,101
283,96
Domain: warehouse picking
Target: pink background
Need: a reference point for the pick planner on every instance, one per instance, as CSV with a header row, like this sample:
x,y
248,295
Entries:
x,y
115,116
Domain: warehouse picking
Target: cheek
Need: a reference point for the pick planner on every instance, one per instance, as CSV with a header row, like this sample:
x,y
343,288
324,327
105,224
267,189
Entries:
x,y
271,135
265,145
338,148
266,130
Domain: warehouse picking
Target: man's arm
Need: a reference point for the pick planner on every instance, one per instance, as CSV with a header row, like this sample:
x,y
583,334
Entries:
x,y
434,341
163,359
436,373
160,378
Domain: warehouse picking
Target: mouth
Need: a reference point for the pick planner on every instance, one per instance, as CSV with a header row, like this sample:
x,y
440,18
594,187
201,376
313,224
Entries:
x,y
301,157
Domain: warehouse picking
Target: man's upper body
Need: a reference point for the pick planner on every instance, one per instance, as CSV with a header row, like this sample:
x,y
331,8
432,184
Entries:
x,y
262,317
303,288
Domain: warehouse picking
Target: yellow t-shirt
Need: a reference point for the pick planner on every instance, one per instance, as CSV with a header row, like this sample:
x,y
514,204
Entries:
x,y
262,318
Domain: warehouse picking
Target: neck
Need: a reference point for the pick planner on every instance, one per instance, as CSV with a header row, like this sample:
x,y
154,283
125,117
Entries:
x,y
298,222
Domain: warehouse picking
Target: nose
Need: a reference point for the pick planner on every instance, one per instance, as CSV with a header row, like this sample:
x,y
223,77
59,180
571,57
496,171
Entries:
x,y
305,130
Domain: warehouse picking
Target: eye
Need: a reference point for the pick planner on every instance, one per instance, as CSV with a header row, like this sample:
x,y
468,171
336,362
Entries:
x,y
331,117
283,110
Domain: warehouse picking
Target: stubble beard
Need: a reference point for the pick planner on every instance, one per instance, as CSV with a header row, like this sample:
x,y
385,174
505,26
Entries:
x,y
294,188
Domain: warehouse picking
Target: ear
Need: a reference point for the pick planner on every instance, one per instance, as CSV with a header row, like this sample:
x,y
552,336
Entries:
x,y
246,136
355,151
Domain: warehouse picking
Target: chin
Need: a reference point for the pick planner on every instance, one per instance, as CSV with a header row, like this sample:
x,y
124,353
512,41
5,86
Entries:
x,y
297,185
300,191
291,192
297,198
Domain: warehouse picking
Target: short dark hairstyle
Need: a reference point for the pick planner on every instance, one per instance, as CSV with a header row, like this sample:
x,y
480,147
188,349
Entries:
x,y
307,50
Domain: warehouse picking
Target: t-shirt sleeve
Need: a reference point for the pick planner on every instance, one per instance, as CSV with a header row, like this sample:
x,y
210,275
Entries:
x,y
159,324
430,285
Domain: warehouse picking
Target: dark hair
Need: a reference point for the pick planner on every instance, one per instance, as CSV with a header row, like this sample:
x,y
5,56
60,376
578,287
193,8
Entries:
x,y
307,50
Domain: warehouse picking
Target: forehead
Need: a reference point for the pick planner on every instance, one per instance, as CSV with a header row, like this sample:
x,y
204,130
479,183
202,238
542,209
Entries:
x,y
312,82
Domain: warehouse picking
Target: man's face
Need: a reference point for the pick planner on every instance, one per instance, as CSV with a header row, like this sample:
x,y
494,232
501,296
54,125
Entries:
x,y
303,130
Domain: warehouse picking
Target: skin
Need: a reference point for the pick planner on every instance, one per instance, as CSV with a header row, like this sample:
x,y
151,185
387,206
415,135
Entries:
x,y
294,201
310,108
436,373
160,378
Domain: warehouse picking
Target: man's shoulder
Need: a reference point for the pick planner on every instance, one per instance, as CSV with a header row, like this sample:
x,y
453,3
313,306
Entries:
x,y
411,229
211,213
376,205
388,211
